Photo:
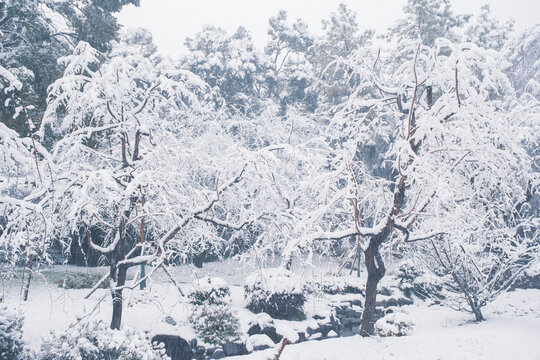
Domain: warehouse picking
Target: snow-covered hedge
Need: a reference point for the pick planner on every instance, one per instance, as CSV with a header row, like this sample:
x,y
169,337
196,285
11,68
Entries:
x,y
212,315
393,324
96,341
277,292
11,345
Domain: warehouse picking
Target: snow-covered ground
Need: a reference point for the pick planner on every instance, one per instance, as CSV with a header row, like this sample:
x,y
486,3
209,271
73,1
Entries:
x,y
511,331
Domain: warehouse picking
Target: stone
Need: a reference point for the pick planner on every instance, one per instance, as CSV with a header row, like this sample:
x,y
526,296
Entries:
x,y
218,354
270,331
332,334
169,320
199,352
301,336
234,348
260,342
402,301
286,332
175,347
254,329
317,336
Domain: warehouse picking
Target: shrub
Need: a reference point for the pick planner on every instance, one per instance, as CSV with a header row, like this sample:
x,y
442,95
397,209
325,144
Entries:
x,y
11,345
96,341
393,324
336,285
414,281
81,280
212,316
277,292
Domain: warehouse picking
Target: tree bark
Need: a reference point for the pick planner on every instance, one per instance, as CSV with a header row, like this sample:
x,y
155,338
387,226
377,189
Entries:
x,y
376,270
117,298
118,273
478,314
27,285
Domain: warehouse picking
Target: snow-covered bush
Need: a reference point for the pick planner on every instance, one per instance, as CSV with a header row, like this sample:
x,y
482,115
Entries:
x,y
393,324
336,284
413,280
212,315
11,345
96,341
277,292
81,280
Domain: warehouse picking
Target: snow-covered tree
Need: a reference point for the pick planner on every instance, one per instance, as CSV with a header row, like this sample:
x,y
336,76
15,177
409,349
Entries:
x,y
142,152
229,64
342,36
488,32
444,118
24,187
287,51
427,20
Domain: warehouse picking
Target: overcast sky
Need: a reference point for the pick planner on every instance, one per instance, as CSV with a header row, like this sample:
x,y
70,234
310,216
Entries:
x,y
171,21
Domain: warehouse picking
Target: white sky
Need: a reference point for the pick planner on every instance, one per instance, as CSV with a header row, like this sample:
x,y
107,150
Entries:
x,y
171,21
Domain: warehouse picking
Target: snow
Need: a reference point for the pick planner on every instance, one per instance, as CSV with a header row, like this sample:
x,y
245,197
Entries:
x,y
276,280
510,330
439,333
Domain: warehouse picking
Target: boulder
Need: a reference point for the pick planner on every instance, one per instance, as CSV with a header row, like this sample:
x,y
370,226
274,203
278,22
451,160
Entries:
x,y
218,354
175,347
270,331
234,348
260,342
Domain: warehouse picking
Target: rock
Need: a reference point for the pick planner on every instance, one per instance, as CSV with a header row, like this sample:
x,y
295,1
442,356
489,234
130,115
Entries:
x,y
286,332
270,331
325,329
324,321
199,352
317,336
318,317
254,329
263,324
313,327
175,347
301,336
402,301
260,342
169,320
332,334
234,348
218,354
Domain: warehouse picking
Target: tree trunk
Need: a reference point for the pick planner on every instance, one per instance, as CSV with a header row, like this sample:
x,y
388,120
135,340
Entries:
x,y
478,314
118,273
27,285
117,298
376,270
